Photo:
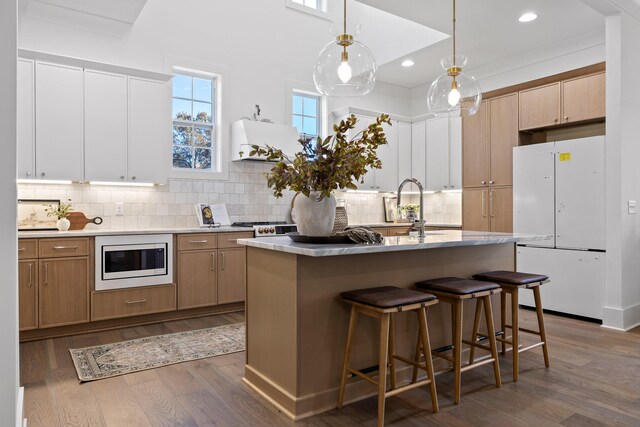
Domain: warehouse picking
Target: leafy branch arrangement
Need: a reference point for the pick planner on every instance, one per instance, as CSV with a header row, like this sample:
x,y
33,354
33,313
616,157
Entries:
x,y
326,165
60,211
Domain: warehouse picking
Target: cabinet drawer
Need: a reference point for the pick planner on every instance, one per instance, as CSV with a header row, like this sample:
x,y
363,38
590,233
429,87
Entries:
x,y
132,302
53,248
399,231
382,230
27,248
230,240
194,241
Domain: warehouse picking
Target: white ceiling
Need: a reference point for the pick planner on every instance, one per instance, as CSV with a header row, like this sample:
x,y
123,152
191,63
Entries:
x,y
119,10
488,31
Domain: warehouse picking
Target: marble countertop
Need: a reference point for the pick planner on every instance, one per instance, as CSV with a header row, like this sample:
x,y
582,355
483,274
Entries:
x,y
105,232
432,240
406,224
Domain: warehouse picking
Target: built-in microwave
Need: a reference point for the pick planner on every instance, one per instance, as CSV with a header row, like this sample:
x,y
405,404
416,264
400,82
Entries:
x,y
134,260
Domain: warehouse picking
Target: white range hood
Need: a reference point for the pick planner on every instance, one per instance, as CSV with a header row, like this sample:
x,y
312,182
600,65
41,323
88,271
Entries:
x,y
245,133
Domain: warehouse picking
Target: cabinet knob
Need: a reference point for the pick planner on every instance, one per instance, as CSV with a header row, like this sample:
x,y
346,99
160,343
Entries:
x,y
491,182
566,118
121,176
483,182
555,120
28,173
42,174
133,177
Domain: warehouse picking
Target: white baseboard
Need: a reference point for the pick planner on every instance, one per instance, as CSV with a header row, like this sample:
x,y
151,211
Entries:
x,y
20,421
621,319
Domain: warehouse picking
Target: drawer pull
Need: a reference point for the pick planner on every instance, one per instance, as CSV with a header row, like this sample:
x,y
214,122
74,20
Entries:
x,y
57,248
140,301
22,249
222,266
30,275
213,261
198,241
46,274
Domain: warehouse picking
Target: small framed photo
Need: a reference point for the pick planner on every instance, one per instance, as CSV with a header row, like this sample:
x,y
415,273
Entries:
x,y
390,209
32,214
205,215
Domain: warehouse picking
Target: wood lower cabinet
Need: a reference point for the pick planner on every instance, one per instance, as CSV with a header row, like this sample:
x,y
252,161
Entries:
x,y
132,302
488,209
197,278
28,294
63,288
232,268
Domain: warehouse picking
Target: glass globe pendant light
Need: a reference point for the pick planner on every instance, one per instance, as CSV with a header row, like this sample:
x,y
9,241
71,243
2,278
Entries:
x,y
454,93
345,67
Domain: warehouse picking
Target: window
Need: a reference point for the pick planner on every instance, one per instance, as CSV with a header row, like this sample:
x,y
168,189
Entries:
x,y
306,114
194,120
309,3
313,7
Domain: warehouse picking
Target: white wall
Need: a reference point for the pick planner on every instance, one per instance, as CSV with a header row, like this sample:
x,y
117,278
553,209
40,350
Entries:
x,y
8,260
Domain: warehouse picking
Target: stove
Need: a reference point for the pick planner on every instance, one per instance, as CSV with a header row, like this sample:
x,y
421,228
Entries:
x,y
268,228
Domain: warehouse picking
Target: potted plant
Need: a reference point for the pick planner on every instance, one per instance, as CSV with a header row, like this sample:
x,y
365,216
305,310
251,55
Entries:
x,y
324,165
61,212
410,211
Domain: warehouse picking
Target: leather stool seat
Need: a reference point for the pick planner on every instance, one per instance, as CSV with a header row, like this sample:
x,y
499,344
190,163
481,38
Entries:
x,y
511,277
387,296
456,285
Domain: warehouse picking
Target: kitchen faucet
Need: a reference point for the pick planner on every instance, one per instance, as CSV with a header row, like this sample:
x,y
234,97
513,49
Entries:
x,y
421,221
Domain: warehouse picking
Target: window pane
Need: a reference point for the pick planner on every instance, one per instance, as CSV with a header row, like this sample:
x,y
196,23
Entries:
x,y
310,107
202,158
202,89
181,109
297,122
182,86
299,1
182,157
297,104
202,137
181,135
310,127
201,112
311,3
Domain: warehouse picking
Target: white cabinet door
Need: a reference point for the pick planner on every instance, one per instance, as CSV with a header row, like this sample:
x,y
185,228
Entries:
x,y
418,151
437,152
368,181
149,131
386,179
404,151
105,124
455,153
59,122
25,111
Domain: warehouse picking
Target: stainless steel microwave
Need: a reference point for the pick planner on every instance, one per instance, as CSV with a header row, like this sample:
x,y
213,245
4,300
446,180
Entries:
x,y
133,261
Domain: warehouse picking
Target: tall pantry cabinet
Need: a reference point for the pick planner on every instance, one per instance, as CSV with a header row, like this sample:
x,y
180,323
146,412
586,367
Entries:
x,y
488,139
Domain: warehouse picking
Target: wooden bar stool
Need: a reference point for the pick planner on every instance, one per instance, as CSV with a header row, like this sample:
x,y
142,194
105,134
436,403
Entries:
x,y
511,282
455,291
382,303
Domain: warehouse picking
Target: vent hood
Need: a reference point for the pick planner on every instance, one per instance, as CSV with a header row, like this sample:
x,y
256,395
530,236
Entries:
x,y
245,133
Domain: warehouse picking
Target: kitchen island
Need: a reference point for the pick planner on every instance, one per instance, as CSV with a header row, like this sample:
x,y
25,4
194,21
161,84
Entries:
x,y
297,328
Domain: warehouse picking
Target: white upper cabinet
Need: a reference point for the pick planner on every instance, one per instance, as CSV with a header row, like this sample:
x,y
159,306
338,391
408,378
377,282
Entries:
x,y
437,151
386,179
59,122
25,112
149,130
455,153
418,151
368,181
105,122
404,151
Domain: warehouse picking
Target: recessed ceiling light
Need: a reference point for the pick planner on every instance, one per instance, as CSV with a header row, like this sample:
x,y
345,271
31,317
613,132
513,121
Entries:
x,y
528,17
407,63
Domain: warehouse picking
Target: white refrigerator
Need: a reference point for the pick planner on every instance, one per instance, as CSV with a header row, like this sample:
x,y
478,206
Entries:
x,y
559,190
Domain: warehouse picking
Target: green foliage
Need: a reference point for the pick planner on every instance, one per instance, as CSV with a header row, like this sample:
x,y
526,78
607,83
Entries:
x,y
409,207
326,165
59,211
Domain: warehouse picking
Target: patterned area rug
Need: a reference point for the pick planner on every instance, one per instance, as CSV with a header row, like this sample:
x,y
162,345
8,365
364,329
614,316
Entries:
x,y
110,360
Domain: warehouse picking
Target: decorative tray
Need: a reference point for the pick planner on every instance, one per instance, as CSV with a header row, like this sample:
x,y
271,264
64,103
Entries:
x,y
299,238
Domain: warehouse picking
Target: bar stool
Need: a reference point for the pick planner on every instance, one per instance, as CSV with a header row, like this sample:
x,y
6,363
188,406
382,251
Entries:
x,y
382,303
455,291
511,282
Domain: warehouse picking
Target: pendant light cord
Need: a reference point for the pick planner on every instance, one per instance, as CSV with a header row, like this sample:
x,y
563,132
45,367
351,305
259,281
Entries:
x,y
345,17
454,33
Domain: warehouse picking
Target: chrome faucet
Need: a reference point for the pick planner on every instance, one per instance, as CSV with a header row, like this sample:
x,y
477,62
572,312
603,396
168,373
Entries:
x,y
421,221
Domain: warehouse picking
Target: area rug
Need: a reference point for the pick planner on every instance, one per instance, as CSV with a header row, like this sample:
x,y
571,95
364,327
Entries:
x,y
110,360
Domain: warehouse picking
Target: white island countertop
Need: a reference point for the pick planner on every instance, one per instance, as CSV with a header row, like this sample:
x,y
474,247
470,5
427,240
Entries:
x,y
432,240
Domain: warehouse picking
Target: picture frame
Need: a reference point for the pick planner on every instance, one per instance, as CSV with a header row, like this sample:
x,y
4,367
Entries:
x,y
32,214
391,213
205,215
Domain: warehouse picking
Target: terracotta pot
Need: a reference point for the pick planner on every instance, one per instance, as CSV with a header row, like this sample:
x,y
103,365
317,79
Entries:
x,y
315,217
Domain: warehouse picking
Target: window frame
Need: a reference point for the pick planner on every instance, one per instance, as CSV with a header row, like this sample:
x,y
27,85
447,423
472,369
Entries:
x,y
217,170
322,11
318,117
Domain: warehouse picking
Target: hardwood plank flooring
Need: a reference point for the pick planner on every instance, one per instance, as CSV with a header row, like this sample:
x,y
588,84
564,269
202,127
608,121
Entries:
x,y
594,380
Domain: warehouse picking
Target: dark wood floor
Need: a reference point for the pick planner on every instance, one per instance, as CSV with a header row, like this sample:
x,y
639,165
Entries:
x,y
594,380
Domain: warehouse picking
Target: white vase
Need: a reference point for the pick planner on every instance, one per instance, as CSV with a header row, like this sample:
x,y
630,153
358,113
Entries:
x,y
63,224
315,217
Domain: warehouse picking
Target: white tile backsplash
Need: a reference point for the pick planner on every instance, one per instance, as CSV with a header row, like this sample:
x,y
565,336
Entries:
x,y
246,194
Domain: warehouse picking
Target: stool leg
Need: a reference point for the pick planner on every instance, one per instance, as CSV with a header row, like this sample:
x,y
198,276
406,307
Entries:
x,y
492,338
424,334
457,348
414,377
476,328
543,333
392,364
503,320
347,354
515,337
382,366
